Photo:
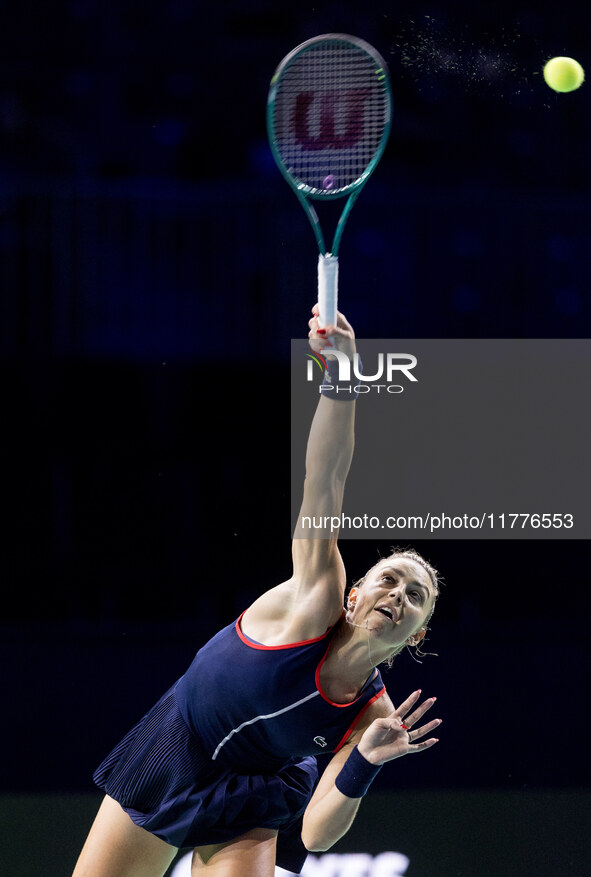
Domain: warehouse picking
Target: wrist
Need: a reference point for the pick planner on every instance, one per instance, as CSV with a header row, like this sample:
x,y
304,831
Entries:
x,y
365,753
356,776
333,387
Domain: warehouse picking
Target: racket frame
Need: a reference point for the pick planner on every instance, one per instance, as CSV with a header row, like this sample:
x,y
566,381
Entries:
x,y
328,257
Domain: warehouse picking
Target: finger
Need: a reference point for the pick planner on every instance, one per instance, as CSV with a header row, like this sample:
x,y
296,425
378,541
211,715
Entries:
x,y
314,324
420,711
318,334
425,729
386,724
426,744
407,704
318,344
324,341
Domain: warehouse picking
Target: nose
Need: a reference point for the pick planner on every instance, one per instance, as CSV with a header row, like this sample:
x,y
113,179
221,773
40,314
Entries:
x,y
396,593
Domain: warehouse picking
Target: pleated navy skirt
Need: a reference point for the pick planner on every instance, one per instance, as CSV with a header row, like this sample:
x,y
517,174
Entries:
x,y
166,782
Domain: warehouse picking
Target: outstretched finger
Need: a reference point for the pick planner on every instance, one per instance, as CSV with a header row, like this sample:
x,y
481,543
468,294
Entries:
x,y
426,744
419,712
406,705
417,733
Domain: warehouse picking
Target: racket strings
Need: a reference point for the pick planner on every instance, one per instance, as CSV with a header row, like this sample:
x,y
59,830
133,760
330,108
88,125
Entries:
x,y
331,111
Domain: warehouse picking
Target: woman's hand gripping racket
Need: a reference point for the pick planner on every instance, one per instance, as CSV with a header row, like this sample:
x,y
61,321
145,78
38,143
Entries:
x,y
328,117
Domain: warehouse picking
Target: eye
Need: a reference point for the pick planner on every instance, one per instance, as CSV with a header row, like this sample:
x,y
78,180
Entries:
x,y
416,596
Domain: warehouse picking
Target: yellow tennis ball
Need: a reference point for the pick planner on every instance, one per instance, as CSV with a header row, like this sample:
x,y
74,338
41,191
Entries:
x,y
563,74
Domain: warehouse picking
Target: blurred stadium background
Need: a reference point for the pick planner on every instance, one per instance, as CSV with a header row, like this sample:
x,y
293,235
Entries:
x,y
146,426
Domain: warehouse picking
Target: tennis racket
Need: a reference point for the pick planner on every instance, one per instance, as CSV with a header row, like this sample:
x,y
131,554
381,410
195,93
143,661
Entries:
x,y
329,114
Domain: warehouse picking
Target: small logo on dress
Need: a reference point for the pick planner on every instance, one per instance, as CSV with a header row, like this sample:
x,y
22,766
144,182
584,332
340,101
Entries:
x,y
320,741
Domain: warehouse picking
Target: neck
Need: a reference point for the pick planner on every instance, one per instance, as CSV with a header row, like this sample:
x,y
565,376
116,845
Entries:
x,y
352,653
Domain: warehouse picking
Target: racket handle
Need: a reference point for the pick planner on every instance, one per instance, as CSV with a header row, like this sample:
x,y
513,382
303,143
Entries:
x,y
328,283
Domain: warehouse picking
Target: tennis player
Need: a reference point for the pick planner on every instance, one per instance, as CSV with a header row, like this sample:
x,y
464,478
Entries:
x,y
225,762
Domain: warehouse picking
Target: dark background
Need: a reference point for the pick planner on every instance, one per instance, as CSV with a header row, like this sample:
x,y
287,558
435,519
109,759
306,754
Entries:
x,y
155,266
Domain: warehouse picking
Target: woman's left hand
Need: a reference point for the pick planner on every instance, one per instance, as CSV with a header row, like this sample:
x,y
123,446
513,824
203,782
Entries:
x,y
396,735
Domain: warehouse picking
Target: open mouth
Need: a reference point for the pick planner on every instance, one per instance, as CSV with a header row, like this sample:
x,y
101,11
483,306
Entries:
x,y
385,611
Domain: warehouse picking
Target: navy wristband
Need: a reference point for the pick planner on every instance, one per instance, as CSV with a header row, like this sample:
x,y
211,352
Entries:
x,y
346,391
357,775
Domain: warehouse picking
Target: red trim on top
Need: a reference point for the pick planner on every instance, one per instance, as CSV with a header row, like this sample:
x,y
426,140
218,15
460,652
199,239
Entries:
x,y
304,642
325,696
358,717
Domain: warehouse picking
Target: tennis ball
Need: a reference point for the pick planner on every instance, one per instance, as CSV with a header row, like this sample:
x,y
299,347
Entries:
x,y
563,74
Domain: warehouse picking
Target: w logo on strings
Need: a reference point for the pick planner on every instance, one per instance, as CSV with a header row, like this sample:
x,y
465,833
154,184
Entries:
x,y
324,107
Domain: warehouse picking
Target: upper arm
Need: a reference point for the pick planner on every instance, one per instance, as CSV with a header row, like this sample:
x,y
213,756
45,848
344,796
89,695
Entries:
x,y
319,574
296,610
312,599
316,558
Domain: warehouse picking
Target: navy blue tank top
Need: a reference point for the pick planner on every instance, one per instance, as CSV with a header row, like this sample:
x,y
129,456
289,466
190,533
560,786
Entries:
x,y
256,708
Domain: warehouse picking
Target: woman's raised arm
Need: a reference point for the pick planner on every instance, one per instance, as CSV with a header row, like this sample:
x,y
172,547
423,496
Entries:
x,y
312,599
316,559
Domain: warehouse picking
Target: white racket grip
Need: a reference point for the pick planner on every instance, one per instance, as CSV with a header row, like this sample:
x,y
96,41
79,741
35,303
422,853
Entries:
x,y
328,284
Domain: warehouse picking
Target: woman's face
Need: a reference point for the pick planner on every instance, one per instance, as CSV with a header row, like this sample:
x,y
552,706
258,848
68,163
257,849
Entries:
x,y
394,602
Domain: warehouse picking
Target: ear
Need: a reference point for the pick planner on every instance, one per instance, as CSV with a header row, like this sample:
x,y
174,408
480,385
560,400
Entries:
x,y
352,597
415,639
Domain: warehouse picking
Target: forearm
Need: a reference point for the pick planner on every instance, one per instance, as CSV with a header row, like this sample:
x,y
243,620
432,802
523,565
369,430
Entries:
x,y
331,441
328,459
329,452
335,803
328,820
